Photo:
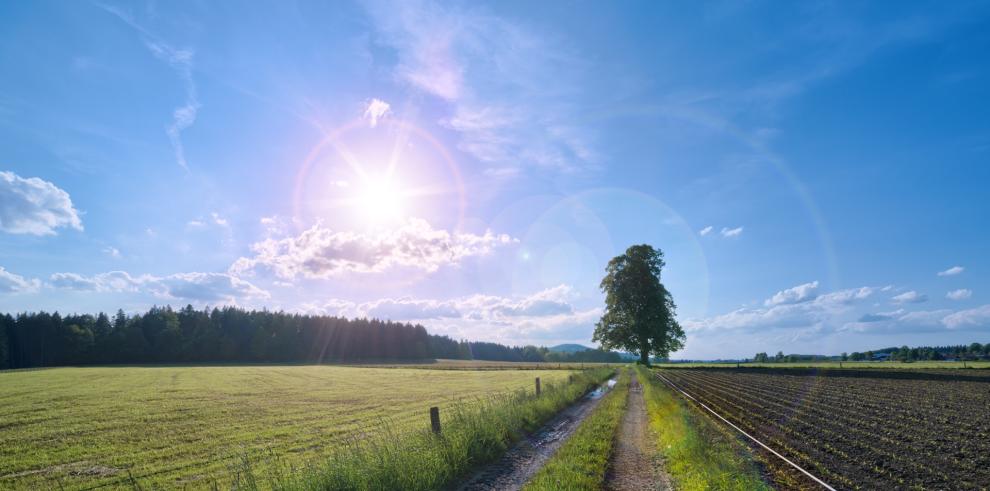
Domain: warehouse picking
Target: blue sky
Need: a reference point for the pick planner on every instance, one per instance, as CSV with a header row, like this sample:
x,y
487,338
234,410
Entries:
x,y
814,172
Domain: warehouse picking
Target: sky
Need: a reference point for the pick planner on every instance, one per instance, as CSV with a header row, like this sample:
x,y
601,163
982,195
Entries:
x,y
814,172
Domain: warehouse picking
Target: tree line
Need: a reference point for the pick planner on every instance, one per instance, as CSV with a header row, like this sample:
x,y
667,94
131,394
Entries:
x,y
973,351
234,335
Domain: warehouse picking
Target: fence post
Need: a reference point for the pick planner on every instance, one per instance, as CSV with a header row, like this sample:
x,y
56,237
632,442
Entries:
x,y
570,379
435,419
537,385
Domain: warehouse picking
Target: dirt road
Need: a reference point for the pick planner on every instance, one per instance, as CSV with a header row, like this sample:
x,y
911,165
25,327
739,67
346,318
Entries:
x,y
635,464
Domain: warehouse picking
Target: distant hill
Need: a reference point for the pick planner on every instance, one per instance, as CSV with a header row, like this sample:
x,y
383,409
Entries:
x,y
568,348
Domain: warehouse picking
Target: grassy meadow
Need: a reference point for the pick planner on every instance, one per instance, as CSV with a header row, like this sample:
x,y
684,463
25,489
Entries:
x,y
171,427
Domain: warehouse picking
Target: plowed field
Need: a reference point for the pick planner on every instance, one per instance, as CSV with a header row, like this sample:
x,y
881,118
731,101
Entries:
x,y
859,429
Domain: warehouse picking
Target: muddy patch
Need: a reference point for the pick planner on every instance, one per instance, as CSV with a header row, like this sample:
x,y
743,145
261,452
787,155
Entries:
x,y
527,457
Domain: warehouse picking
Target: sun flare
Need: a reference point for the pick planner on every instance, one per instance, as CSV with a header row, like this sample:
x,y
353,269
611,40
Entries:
x,y
380,199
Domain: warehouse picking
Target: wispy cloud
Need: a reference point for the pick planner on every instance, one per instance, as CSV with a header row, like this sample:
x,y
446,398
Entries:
x,y
731,232
910,297
112,252
377,110
322,253
34,206
12,283
199,287
952,271
547,315
705,231
510,90
960,294
181,60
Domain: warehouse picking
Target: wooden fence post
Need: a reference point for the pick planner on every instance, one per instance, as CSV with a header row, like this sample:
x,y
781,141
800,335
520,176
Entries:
x,y
570,379
435,419
537,385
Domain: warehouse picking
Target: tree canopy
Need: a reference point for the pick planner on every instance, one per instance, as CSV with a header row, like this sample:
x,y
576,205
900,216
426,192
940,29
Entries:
x,y
639,311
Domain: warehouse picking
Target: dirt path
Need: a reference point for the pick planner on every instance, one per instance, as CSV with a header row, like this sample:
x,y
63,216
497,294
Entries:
x,y
527,457
635,462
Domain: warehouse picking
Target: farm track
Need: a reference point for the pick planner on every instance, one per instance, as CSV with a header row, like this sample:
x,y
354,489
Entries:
x,y
855,431
521,462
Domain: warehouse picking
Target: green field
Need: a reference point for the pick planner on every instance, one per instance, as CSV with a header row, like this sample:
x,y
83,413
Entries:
x,y
189,426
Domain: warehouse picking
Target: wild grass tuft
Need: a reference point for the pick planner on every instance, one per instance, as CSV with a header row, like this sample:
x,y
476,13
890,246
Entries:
x,y
582,461
698,454
472,434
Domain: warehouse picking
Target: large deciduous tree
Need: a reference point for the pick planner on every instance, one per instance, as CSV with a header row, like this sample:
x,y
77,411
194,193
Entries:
x,y
639,311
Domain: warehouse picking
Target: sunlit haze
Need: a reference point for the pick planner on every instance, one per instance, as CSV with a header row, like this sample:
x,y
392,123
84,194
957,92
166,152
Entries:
x,y
815,173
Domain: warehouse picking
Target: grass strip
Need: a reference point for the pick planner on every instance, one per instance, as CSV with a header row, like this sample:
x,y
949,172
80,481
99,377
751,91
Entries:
x,y
582,461
698,454
473,434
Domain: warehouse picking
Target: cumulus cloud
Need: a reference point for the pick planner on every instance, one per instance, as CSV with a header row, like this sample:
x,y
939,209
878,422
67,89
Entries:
x,y
112,252
952,271
547,315
978,317
910,297
798,307
731,232
12,283
507,87
377,110
322,253
797,294
960,294
198,287
705,231
34,206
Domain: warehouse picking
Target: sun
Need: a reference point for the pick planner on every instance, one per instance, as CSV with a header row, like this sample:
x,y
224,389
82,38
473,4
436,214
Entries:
x,y
380,199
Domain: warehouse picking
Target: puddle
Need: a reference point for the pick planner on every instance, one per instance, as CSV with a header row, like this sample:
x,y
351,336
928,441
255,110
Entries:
x,y
522,461
601,390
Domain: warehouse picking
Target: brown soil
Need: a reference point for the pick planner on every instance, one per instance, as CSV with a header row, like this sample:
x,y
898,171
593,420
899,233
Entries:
x,y
635,461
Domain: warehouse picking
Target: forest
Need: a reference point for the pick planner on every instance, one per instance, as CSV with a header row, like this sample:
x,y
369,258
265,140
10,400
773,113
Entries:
x,y
234,335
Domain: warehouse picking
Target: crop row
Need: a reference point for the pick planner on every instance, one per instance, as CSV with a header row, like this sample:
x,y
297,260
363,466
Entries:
x,y
858,431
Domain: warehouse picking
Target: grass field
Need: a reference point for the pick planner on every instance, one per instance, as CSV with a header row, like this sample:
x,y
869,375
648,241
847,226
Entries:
x,y
175,426
915,365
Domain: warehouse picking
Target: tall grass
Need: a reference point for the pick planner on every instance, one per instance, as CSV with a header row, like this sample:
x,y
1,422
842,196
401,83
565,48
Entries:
x,y
473,434
581,463
699,455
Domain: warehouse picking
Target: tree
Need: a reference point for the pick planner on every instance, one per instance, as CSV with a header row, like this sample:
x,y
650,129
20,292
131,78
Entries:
x,y
845,356
639,311
761,357
779,357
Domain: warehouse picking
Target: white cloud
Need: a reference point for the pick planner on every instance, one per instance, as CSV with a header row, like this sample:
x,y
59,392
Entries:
x,y
960,294
705,231
12,283
322,253
214,219
112,252
814,312
731,232
34,206
545,316
797,294
377,110
910,297
978,317
181,60
510,90
952,271
198,287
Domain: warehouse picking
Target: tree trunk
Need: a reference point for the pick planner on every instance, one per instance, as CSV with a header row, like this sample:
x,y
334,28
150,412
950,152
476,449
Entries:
x,y
644,355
